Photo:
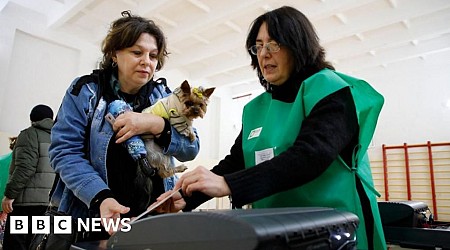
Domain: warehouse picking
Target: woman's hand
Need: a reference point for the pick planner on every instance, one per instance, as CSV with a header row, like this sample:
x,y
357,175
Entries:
x,y
203,180
111,210
7,205
129,124
172,205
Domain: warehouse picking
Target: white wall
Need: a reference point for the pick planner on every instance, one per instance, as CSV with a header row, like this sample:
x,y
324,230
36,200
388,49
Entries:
x,y
29,69
417,96
35,70
41,75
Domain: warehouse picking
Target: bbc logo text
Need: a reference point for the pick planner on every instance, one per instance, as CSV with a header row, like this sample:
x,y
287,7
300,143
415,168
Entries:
x,y
64,224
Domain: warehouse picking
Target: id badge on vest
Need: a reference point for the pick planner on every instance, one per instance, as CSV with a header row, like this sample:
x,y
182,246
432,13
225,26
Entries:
x,y
267,134
264,155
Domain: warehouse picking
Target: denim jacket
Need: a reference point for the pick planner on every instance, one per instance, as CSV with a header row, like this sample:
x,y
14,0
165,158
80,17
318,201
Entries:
x,y
83,172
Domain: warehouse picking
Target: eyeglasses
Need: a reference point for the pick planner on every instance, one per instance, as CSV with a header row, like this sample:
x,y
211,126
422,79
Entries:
x,y
271,47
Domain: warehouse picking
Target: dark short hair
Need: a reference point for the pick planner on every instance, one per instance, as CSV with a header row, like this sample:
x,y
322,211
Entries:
x,y
292,29
125,31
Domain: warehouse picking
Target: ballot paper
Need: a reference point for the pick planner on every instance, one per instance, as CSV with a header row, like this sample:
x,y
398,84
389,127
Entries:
x,y
153,206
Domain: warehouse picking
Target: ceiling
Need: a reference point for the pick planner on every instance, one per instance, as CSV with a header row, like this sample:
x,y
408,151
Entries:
x,y
206,38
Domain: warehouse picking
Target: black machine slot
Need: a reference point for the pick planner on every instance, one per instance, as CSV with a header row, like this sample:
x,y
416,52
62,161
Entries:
x,y
410,224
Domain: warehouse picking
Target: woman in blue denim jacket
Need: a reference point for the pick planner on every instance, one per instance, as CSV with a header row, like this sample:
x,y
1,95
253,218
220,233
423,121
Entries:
x,y
96,171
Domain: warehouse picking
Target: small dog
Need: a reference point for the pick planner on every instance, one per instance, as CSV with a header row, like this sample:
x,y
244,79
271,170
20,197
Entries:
x,y
181,107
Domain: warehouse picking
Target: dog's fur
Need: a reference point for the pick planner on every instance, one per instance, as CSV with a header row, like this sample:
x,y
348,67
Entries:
x,y
181,107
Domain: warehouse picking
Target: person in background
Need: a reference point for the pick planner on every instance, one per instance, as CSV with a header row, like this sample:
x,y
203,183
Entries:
x,y
30,175
303,141
97,173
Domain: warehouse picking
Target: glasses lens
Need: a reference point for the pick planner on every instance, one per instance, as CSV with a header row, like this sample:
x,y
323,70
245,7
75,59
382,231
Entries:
x,y
272,47
254,49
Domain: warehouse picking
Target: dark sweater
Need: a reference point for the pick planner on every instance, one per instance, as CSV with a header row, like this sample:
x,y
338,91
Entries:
x,y
121,167
331,129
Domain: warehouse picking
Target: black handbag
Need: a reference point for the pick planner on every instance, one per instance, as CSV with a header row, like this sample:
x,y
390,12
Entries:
x,y
53,241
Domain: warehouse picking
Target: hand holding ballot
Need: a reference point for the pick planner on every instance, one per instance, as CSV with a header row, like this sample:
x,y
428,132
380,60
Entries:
x,y
169,202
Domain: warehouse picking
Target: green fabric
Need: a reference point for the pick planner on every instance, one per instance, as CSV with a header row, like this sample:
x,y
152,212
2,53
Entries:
x,y
338,180
5,160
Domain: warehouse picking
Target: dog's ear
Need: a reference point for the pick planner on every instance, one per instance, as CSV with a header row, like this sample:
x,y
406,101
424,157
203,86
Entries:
x,y
185,87
208,92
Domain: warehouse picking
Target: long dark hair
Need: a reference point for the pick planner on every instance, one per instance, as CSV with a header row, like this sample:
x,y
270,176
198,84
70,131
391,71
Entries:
x,y
124,33
292,29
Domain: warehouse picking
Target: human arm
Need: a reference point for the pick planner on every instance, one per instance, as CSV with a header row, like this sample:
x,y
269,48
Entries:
x,y
78,143
203,180
129,124
328,131
69,153
173,143
233,162
144,123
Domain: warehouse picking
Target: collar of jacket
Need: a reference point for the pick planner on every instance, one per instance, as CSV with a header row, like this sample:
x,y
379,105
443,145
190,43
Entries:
x,y
44,124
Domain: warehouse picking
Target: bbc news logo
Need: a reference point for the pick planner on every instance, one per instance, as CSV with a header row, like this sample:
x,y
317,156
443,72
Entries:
x,y
63,224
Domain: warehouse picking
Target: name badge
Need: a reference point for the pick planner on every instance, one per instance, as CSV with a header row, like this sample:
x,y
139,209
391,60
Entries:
x,y
263,155
254,133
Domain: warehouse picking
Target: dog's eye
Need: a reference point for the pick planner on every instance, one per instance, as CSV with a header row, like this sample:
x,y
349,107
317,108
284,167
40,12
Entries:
x,y
189,103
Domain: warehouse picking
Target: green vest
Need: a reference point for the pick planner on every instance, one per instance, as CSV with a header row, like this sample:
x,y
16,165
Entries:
x,y
5,161
271,126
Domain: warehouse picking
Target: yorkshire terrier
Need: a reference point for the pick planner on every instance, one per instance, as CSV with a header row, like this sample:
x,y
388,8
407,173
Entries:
x,y
181,107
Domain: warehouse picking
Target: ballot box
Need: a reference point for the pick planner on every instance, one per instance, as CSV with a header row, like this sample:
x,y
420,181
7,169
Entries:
x,y
276,228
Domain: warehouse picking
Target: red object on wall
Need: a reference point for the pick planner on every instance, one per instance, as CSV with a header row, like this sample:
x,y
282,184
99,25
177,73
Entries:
x,y
405,148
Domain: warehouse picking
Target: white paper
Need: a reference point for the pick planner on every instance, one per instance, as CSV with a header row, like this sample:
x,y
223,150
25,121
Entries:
x,y
153,206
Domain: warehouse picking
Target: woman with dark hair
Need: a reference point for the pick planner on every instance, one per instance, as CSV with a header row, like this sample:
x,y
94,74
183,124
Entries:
x,y
304,140
98,176
294,31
